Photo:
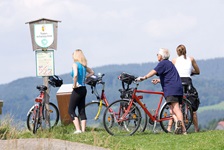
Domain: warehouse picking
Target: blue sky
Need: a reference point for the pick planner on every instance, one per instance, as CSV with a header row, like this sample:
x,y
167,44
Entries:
x,y
109,31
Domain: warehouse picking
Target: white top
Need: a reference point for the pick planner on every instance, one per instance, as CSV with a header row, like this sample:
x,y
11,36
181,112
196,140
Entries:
x,y
184,66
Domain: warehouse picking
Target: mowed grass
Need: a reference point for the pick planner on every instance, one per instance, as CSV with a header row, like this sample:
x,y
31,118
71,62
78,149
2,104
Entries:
x,y
139,141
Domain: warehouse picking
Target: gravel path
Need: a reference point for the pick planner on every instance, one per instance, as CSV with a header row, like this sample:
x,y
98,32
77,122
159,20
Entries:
x,y
44,144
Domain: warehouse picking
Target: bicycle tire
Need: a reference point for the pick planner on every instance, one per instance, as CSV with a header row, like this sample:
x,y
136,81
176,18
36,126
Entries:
x,y
54,117
128,125
187,116
91,109
187,111
30,119
144,119
36,119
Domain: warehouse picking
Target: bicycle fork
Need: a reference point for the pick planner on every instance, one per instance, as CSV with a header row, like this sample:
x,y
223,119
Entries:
x,y
99,110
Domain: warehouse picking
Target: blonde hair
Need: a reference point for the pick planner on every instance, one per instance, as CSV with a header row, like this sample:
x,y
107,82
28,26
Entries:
x,y
78,56
181,50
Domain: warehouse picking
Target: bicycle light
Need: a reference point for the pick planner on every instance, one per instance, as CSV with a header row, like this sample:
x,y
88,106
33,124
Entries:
x,y
38,100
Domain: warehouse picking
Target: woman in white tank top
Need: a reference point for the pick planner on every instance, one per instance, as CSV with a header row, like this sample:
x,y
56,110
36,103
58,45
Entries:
x,y
186,66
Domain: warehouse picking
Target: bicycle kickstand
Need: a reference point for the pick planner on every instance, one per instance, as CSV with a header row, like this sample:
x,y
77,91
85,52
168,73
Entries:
x,y
154,127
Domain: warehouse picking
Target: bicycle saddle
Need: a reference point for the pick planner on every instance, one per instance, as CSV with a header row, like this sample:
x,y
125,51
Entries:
x,y
41,87
186,86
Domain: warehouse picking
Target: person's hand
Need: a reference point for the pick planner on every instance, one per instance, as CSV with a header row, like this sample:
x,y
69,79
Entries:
x,y
155,81
140,78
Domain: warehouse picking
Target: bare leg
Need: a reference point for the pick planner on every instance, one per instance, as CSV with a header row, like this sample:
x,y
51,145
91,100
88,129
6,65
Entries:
x,y
83,124
76,123
170,123
178,113
195,121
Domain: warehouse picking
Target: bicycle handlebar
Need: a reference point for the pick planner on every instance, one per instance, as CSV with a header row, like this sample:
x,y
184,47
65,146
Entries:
x,y
99,78
94,80
192,74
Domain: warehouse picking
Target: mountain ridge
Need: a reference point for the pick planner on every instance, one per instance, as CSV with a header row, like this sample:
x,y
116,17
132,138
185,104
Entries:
x,y
18,95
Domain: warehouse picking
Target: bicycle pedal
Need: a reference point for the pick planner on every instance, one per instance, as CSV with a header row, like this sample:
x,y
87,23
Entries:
x,y
151,122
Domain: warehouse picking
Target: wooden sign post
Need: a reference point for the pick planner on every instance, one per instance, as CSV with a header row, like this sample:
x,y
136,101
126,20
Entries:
x,y
44,42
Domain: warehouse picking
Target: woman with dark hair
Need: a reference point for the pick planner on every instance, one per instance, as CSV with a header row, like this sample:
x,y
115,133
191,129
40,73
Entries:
x,y
187,66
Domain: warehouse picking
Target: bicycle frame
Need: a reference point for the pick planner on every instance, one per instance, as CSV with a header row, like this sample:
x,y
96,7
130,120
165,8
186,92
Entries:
x,y
143,106
101,98
39,102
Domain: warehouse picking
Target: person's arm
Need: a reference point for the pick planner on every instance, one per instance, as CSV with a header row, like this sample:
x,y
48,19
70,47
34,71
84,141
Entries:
x,y
90,72
150,74
196,69
75,72
174,61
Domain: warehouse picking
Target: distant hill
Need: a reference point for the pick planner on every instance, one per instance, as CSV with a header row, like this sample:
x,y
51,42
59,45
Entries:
x,y
19,95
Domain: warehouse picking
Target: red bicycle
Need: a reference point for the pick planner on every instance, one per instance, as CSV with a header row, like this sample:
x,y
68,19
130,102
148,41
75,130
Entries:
x,y
95,108
123,117
37,115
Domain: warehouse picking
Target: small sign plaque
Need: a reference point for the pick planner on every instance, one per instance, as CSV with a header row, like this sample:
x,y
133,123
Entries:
x,y
45,63
44,34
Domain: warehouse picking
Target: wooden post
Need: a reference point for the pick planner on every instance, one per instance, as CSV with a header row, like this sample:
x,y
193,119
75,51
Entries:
x,y
46,101
1,105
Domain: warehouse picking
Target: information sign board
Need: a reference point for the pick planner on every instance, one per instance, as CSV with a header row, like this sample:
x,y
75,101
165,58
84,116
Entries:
x,y
45,63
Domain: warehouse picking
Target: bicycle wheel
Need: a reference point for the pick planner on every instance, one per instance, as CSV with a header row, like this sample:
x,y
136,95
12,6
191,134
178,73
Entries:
x,y
117,124
30,119
169,122
144,120
36,119
94,115
165,115
54,115
187,111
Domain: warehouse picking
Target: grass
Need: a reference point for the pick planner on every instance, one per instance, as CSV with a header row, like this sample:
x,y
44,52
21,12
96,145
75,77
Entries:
x,y
219,106
139,141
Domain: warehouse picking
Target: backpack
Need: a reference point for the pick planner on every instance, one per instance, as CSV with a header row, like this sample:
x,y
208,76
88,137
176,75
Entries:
x,y
193,98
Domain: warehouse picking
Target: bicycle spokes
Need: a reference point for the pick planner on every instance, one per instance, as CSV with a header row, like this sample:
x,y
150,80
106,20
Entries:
x,y
119,120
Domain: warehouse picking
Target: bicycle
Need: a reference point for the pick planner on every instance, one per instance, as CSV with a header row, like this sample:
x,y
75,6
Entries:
x,y
123,117
38,112
95,108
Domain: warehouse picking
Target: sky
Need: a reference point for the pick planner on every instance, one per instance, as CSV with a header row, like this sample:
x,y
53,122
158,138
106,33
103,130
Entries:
x,y
109,31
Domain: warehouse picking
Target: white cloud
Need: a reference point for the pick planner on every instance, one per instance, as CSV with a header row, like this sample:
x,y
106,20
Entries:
x,y
110,31
170,25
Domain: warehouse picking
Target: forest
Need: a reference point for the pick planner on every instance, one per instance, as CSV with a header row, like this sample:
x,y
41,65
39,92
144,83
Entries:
x,y
18,95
